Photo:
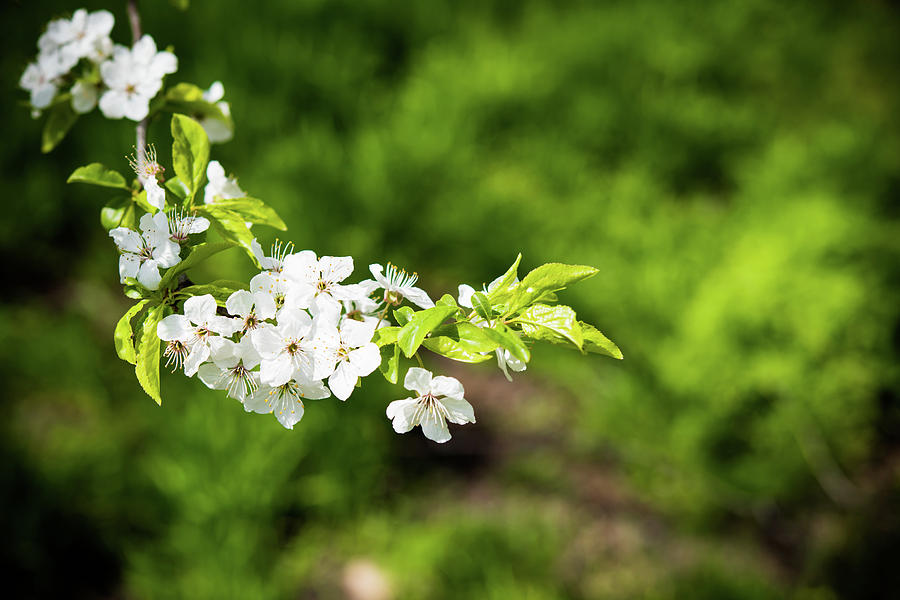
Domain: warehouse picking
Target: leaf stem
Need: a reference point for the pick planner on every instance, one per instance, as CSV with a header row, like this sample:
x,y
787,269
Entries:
x,y
134,19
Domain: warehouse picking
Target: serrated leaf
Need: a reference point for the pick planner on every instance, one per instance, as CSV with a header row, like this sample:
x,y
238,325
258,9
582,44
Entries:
x,y
482,306
509,339
123,336
545,279
402,315
235,231
197,255
421,324
247,209
503,283
538,319
97,174
118,213
147,367
60,119
390,362
596,342
190,151
385,336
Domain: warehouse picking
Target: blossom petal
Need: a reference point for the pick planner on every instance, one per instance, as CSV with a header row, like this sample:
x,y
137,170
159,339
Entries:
x,y
129,265
240,303
197,356
289,410
447,386
336,268
126,239
302,267
199,309
365,359
418,380
265,306
417,296
342,381
148,275
460,411
262,401
276,371
465,295
356,333
212,376
174,327
435,427
267,341
402,414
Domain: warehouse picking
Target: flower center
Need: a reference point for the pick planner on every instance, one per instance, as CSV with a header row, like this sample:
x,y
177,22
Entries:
x,y
175,354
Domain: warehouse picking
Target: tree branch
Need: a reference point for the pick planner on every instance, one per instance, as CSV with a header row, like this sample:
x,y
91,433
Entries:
x,y
134,18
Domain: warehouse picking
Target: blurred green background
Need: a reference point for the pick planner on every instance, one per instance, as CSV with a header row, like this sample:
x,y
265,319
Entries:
x,y
733,170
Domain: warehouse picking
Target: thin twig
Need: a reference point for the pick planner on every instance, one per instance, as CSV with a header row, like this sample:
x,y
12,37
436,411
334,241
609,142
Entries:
x,y
134,18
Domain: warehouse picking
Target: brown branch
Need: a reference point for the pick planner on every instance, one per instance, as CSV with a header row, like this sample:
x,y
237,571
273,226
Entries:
x,y
134,18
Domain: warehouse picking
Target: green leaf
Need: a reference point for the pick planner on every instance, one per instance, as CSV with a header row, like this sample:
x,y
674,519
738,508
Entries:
x,y
134,291
184,92
177,187
247,209
219,290
448,300
197,255
594,341
190,151
390,362
402,315
123,337
470,337
234,231
181,4
538,319
482,306
547,278
505,281
140,199
421,324
147,367
118,213
385,336
451,348
60,119
97,174
509,339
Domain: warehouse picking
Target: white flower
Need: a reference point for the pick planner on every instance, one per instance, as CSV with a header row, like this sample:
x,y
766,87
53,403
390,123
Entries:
x,y
134,77
147,168
85,35
285,400
84,97
397,284
319,279
274,284
220,186
505,360
143,254
217,130
40,79
232,368
252,307
363,309
440,400
275,262
347,354
183,224
195,328
286,348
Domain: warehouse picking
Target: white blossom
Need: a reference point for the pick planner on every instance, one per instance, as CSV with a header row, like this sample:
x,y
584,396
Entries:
x,y
217,129
147,168
134,76
220,186
231,368
84,97
40,79
347,354
318,280
251,308
195,329
440,399
85,35
397,284
285,400
144,253
286,348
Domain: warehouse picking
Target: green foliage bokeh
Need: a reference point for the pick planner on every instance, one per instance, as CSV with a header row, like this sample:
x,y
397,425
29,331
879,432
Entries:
x,y
732,170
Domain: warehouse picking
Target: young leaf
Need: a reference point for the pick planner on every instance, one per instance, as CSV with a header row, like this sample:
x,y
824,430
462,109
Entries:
x,y
385,336
509,339
446,346
547,278
177,187
448,300
147,367
421,324
482,306
248,209
235,231
190,151
390,362
538,319
123,337
219,290
60,119
503,283
198,254
402,315
594,341
118,213
470,337
97,174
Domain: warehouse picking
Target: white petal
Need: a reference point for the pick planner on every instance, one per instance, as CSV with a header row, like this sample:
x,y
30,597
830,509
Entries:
x,y
460,410
267,341
342,381
418,380
148,275
129,265
417,296
166,253
126,239
356,333
212,376
465,295
112,103
312,389
247,353
84,97
302,267
197,356
240,303
288,411
156,196
435,427
262,401
265,306
215,92
199,309
336,268
402,414
276,371
447,386
174,327
223,352
365,359
223,325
